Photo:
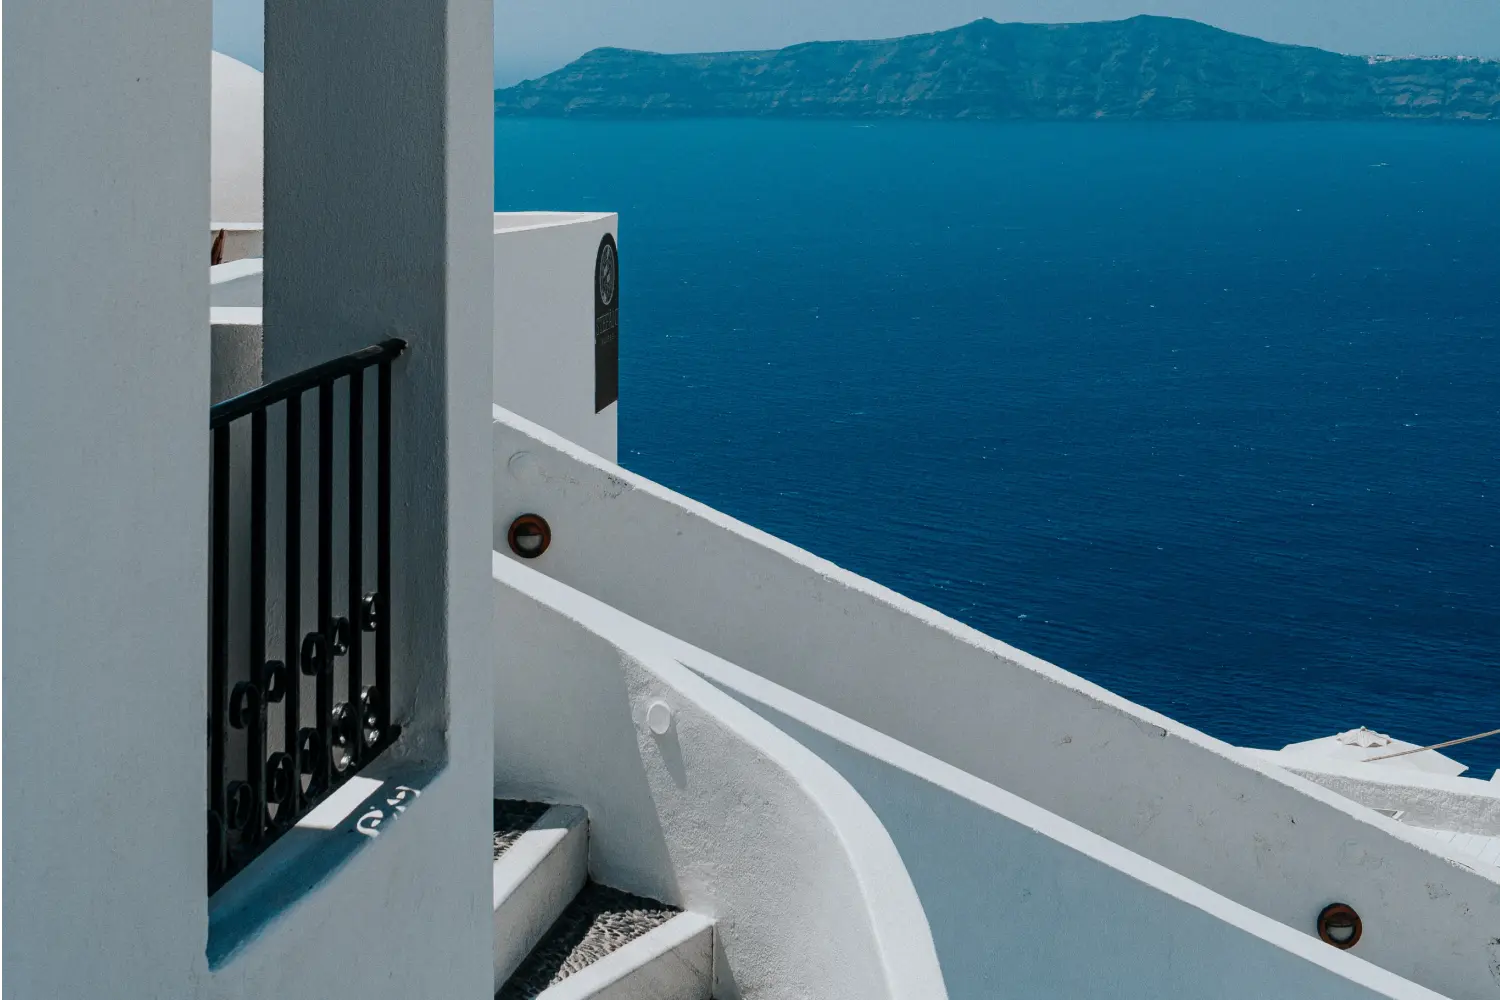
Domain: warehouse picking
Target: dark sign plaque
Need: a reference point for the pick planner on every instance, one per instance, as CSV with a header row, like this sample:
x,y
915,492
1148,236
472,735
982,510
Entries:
x,y
606,324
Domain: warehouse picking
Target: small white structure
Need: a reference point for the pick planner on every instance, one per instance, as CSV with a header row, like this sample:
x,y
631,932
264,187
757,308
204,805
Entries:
x,y
556,352
237,150
1360,746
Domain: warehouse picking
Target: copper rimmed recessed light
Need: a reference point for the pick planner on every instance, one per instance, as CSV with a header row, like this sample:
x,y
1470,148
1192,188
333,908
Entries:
x,y
1339,925
529,536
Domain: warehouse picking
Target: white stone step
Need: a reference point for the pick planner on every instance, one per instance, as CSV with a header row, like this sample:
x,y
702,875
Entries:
x,y
535,878
671,962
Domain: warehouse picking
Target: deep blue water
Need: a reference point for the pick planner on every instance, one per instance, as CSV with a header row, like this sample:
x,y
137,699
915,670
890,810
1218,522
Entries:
x,y
1209,414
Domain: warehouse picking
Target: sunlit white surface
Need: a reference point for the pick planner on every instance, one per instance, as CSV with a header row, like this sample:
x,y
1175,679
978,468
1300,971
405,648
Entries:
x,y
237,137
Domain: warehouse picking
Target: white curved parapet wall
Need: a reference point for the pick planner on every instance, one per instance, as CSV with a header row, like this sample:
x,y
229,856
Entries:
x,y
720,813
1252,832
1021,902
1019,897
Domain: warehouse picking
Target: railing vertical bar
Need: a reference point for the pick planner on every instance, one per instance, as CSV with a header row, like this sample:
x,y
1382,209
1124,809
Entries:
x,y
218,629
325,577
292,807
255,757
383,552
356,564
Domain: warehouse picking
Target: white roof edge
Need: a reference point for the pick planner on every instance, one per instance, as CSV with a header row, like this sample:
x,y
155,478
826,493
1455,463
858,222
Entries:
x,y
235,269
515,222
235,316
1379,775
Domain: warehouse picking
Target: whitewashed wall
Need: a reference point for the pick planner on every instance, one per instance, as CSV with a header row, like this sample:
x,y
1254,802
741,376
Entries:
x,y
1435,801
237,126
237,283
544,323
106,522
722,814
237,240
236,335
1021,902
1253,833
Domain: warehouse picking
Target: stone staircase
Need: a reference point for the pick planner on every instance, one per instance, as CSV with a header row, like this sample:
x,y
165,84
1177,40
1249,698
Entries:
x,y
560,936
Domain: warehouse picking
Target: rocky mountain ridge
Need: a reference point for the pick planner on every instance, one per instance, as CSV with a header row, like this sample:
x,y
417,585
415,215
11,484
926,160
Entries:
x,y
1141,68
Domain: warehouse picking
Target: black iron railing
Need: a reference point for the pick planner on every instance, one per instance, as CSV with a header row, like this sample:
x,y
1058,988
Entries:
x,y
271,759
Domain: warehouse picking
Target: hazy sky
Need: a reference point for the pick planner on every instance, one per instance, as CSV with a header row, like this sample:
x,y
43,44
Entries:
x,y
535,36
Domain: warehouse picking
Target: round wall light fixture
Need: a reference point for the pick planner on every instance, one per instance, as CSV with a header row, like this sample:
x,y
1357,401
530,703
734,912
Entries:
x,y
659,717
1339,925
529,536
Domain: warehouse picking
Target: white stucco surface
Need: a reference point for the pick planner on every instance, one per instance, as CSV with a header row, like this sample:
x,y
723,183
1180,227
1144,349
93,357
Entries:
x,y
286,900
1438,801
378,189
672,962
236,283
1471,849
238,119
236,240
1252,832
534,881
1022,902
544,323
721,813
235,333
106,385
1376,751
518,222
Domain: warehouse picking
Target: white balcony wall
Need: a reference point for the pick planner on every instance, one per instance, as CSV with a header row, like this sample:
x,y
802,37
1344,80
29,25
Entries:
x,y
106,516
722,814
1249,831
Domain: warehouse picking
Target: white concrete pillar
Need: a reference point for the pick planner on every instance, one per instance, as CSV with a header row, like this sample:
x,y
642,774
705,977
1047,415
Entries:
x,y
379,190
106,507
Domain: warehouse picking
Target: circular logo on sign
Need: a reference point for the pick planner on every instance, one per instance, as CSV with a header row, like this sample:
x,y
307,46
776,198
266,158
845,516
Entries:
x,y
605,272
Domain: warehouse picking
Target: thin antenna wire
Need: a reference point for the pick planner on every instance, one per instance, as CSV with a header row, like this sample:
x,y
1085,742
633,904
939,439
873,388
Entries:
x,y
1435,746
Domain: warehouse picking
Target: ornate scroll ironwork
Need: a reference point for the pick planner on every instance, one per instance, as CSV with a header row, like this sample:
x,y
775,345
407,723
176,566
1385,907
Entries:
x,y
270,759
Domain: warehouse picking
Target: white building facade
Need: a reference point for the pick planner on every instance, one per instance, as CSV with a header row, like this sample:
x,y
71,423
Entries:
x,y
486,713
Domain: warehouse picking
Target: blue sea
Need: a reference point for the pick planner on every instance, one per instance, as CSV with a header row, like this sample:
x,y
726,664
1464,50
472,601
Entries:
x,y
1206,413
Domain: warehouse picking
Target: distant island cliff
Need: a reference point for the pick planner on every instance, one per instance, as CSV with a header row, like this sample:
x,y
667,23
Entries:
x,y
1145,67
